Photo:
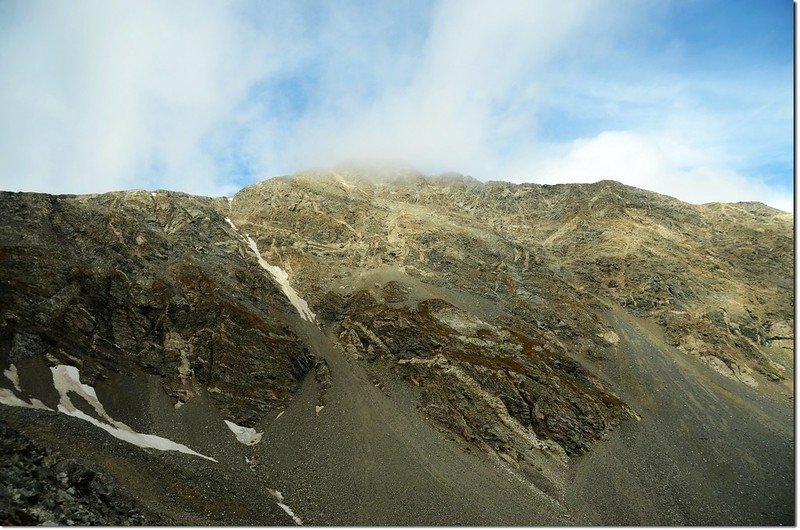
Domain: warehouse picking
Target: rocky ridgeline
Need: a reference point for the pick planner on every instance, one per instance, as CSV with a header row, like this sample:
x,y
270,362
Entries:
x,y
717,277
490,300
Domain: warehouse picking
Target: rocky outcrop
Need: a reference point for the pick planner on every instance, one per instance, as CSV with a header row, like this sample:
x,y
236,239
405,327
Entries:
x,y
488,382
40,487
155,282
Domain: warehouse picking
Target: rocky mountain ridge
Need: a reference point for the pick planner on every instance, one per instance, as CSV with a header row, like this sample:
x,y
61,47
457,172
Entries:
x,y
512,320
700,271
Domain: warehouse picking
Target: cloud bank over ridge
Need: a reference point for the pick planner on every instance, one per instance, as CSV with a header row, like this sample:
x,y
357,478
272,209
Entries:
x,y
209,97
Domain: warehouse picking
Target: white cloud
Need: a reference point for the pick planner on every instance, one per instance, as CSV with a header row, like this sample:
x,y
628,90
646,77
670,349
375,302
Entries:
x,y
205,97
473,101
455,107
105,95
664,164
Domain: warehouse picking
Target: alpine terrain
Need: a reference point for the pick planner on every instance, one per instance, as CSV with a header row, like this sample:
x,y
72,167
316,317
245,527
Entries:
x,y
382,347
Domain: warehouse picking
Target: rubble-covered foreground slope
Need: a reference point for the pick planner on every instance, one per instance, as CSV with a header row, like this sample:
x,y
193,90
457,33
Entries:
x,y
347,348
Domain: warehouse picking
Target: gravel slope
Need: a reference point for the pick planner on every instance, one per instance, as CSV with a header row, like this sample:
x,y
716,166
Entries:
x,y
706,451
368,459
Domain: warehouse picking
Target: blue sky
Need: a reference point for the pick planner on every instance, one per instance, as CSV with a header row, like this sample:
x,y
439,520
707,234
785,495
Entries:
x,y
689,98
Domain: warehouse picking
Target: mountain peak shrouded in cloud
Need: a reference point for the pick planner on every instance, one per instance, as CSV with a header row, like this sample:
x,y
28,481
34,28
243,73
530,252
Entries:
x,y
377,168
692,100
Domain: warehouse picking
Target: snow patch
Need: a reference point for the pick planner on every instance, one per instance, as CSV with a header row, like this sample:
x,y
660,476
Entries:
x,y
282,277
319,408
275,493
36,404
147,441
278,495
279,415
8,398
245,435
288,510
228,220
13,376
67,379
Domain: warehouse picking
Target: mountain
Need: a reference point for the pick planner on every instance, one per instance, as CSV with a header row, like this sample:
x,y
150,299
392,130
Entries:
x,y
368,347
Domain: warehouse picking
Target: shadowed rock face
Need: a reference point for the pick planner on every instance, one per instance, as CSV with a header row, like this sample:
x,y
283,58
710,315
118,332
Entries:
x,y
534,324
65,492
484,381
154,282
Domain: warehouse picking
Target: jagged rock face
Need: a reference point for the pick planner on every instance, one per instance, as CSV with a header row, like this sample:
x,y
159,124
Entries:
x,y
529,321
717,277
487,382
153,282
539,261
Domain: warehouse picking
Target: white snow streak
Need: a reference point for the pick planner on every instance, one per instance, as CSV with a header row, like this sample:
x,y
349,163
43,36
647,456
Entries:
x,y
148,441
282,277
278,495
279,415
67,379
11,374
8,398
245,435
228,220
288,510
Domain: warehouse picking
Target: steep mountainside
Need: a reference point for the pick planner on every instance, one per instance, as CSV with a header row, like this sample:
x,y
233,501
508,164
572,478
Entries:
x,y
151,282
405,349
717,277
